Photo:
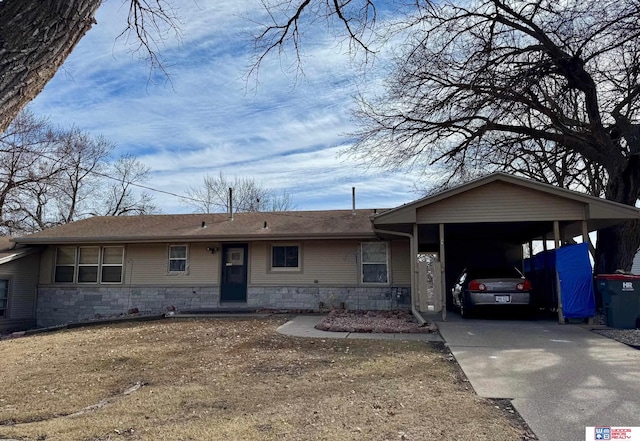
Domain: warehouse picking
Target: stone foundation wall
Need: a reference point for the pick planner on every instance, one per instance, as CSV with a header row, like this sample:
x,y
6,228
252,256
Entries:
x,y
58,305
353,298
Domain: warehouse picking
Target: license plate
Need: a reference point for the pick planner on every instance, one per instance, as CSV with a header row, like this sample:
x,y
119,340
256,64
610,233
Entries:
x,y
503,299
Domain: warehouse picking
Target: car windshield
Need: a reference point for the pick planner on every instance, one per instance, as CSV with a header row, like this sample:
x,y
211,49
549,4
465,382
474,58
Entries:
x,y
495,273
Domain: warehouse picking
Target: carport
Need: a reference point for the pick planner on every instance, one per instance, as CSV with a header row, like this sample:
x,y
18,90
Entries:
x,y
491,219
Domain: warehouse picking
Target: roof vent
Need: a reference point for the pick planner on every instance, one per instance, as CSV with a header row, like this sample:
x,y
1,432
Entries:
x,y
204,224
265,225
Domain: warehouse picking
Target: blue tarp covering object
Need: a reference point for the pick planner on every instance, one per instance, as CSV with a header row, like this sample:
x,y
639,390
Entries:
x,y
576,279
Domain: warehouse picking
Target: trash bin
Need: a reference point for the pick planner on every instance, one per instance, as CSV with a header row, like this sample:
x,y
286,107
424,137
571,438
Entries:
x,y
620,299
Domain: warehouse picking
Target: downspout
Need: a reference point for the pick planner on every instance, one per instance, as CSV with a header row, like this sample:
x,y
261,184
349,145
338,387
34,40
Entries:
x,y
414,311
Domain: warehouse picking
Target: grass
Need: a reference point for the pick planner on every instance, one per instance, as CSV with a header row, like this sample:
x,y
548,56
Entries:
x,y
224,379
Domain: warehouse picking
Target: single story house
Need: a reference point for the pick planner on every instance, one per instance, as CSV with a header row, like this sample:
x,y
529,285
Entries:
x,y
360,259
285,260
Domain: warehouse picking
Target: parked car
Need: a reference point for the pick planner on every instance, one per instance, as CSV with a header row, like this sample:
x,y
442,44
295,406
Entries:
x,y
495,287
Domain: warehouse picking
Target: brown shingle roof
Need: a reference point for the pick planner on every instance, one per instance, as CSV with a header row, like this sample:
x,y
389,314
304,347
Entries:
x,y
218,227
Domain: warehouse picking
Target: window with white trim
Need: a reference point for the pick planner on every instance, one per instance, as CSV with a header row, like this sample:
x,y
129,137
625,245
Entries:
x,y
374,258
177,258
84,264
112,260
285,257
65,265
4,297
88,262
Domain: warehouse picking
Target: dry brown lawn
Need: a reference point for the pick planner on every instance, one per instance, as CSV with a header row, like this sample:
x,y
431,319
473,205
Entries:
x,y
231,379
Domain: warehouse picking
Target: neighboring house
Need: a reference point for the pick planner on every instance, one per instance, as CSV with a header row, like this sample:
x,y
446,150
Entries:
x,y
286,260
18,286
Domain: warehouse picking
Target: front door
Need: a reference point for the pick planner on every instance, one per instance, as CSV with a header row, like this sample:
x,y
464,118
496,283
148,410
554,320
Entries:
x,y
233,287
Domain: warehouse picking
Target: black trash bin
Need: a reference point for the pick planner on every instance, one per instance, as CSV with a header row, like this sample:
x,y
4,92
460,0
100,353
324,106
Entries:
x,y
620,299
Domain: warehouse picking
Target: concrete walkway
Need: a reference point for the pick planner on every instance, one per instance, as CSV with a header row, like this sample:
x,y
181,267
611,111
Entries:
x,y
561,378
303,326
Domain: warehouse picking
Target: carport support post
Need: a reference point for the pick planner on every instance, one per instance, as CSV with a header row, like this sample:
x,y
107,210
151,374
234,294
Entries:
x,y
587,239
443,279
556,242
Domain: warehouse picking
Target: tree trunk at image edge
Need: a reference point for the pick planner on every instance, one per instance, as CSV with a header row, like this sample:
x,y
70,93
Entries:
x,y
35,38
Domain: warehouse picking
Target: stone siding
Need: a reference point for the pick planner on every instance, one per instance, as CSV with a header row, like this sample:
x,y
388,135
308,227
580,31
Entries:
x,y
58,305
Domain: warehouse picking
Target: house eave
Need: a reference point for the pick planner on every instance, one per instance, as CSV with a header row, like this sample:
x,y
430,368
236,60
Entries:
x,y
18,255
201,238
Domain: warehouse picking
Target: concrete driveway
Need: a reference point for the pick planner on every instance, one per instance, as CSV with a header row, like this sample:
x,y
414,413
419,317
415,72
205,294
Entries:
x,y
560,378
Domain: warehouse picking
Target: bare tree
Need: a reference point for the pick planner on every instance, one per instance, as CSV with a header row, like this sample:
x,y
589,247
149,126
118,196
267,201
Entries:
x,y
288,20
23,166
118,189
37,36
52,176
85,158
531,81
213,196
525,81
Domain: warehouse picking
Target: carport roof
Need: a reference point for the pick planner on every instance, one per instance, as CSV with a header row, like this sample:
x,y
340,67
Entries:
x,y
599,213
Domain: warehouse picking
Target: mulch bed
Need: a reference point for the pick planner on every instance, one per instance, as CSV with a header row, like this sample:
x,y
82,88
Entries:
x,y
374,321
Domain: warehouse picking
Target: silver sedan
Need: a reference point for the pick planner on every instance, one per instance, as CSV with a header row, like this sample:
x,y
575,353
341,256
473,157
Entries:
x,y
495,287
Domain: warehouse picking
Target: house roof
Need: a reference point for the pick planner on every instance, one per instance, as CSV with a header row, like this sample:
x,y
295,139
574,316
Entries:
x,y
598,208
211,227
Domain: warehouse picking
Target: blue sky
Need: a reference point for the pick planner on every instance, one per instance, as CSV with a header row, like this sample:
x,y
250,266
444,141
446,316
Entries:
x,y
285,131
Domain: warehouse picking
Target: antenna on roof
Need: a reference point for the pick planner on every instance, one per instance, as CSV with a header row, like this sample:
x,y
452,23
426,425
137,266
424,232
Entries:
x,y
353,201
230,203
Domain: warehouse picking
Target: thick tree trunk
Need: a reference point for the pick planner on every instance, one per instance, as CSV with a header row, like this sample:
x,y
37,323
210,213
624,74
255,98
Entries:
x,y
617,245
35,38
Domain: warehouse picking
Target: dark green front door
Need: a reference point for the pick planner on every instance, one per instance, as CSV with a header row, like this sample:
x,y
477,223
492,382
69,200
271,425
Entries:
x,y
233,287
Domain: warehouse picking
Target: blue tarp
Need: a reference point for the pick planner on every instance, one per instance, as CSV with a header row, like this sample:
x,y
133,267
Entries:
x,y
576,281
573,267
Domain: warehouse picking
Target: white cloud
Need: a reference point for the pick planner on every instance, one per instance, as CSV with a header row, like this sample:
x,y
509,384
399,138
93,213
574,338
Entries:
x,y
283,133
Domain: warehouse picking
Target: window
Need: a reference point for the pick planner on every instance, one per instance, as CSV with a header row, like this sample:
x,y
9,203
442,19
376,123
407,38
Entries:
x,y
65,264
285,257
374,262
177,258
4,297
83,264
112,258
88,260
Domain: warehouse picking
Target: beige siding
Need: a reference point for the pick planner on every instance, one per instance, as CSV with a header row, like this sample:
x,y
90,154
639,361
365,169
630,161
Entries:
x,y
500,202
47,260
23,281
329,262
147,264
400,263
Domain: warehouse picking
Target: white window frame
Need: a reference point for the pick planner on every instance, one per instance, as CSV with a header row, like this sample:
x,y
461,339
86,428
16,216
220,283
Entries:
x,y
74,265
185,258
80,265
285,268
363,263
111,265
